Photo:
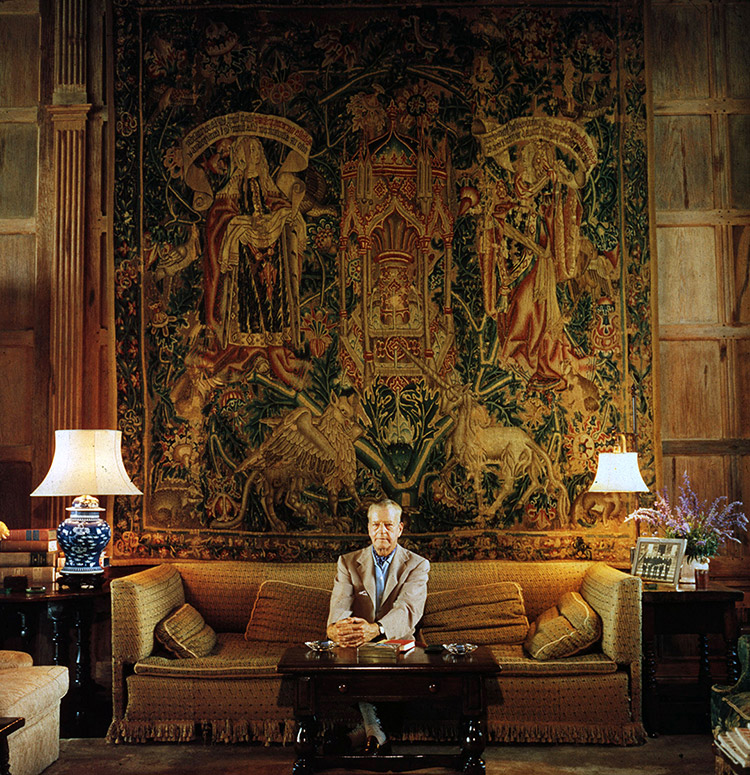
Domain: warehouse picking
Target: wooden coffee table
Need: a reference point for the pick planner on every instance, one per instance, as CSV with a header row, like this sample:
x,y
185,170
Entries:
x,y
319,677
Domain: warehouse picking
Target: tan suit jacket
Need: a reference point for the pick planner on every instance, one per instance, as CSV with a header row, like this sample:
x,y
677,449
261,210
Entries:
x,y
403,596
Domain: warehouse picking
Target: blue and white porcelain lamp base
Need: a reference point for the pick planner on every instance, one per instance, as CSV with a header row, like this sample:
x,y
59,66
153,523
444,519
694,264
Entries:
x,y
85,461
82,538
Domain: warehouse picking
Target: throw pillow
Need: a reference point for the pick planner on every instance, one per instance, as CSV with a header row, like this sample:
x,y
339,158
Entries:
x,y
184,633
565,629
487,614
288,613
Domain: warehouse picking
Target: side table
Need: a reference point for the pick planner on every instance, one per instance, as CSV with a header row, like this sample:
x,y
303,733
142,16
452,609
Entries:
x,y
687,611
42,624
7,725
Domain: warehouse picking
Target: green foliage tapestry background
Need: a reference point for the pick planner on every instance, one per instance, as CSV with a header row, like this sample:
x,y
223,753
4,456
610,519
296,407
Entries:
x,y
379,252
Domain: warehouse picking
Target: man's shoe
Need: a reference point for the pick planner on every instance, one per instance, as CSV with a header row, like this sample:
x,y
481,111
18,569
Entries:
x,y
373,748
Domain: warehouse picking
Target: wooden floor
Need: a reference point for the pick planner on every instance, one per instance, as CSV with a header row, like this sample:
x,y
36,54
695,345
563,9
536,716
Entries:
x,y
666,755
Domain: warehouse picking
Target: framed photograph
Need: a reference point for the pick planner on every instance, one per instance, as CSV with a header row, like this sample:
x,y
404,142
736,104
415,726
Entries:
x,y
659,559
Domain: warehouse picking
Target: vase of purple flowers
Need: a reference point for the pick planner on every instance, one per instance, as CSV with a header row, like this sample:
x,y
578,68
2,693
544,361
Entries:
x,y
705,526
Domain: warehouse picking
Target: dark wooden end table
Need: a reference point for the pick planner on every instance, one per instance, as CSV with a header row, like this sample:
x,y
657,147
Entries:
x,y
7,725
687,611
339,673
42,623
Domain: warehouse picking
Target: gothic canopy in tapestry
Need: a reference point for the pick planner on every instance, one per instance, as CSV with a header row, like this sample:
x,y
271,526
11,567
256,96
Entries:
x,y
378,252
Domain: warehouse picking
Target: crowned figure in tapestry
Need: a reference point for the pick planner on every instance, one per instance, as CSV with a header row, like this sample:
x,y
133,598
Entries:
x,y
367,253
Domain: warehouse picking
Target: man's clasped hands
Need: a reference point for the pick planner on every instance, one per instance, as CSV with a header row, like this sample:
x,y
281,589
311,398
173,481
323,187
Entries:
x,y
353,631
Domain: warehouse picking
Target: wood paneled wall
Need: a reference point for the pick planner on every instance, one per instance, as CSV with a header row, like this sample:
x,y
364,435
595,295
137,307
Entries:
x,y
23,328
700,77
56,368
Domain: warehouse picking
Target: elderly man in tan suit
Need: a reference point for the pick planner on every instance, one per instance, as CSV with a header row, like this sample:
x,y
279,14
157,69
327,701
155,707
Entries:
x,y
379,593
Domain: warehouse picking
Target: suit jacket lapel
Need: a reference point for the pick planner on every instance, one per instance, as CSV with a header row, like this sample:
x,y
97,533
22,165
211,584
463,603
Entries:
x,y
367,573
393,572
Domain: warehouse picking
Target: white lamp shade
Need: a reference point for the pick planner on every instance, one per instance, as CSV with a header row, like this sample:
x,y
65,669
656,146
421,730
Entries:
x,y
87,463
618,472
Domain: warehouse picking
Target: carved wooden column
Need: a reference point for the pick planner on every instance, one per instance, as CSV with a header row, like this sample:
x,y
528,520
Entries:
x,y
69,128
68,114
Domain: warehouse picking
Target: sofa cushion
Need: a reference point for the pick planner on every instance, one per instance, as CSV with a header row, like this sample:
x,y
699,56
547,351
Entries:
x,y
184,633
288,613
515,661
232,657
565,629
486,614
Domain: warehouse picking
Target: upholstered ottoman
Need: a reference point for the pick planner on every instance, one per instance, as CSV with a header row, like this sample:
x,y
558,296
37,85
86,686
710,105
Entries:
x,y
34,693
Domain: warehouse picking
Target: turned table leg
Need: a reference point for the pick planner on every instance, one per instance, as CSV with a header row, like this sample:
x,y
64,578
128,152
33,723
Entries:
x,y
650,689
304,712
704,664
473,711
304,746
473,748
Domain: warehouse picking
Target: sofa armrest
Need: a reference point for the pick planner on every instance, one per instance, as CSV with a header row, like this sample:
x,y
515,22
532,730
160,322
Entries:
x,y
616,597
139,603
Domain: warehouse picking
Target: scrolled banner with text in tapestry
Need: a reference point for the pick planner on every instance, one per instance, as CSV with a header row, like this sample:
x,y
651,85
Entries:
x,y
379,252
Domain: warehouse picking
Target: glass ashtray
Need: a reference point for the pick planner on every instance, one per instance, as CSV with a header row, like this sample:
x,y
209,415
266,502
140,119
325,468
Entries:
x,y
459,649
320,645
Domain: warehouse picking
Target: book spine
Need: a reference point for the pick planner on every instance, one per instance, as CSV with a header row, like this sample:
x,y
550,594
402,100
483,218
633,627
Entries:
x,y
29,559
33,534
14,545
740,739
733,753
33,575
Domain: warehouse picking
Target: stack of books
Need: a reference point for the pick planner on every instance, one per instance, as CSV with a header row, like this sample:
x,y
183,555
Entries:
x,y
384,650
31,553
735,744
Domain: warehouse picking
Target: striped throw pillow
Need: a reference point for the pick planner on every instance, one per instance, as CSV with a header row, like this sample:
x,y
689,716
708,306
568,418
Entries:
x,y
184,633
565,629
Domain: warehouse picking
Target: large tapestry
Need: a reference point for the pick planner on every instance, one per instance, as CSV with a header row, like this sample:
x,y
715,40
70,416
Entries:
x,y
379,252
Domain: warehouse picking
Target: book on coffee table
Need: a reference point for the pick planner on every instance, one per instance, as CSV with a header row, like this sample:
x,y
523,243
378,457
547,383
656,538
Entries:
x,y
385,650
378,652
402,644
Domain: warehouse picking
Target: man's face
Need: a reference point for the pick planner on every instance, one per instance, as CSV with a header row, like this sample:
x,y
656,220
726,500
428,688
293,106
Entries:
x,y
384,528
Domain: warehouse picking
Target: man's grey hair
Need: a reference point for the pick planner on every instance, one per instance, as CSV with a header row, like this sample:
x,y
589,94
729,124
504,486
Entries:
x,y
391,506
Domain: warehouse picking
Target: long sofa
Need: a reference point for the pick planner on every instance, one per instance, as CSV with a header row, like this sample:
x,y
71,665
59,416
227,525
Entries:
x,y
235,694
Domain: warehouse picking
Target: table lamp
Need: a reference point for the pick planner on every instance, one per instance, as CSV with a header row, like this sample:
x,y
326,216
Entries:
x,y
85,461
618,472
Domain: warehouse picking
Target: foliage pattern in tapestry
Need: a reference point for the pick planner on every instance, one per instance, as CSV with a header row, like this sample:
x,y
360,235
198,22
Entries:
x,y
379,252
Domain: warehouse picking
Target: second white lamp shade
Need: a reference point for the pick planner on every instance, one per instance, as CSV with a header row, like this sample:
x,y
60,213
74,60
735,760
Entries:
x,y
618,472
